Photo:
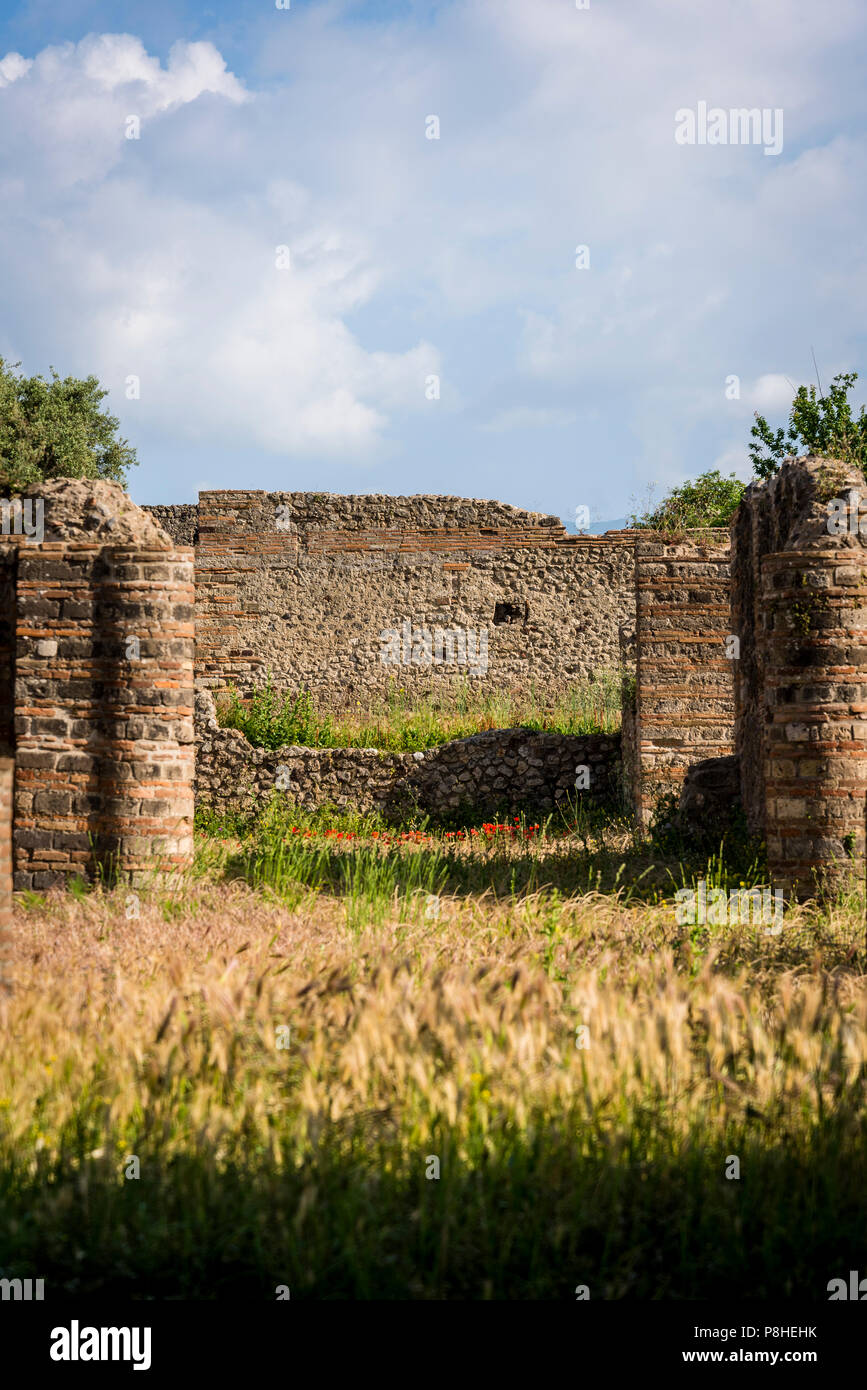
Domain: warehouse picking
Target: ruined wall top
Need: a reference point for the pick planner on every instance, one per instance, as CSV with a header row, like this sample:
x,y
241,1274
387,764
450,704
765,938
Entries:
x,y
789,511
82,509
326,513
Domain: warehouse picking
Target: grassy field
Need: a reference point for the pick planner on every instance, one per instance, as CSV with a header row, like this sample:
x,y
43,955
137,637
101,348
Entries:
x,y
271,718
296,1037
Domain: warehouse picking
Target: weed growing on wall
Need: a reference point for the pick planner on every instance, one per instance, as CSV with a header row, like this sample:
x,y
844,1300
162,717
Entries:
x,y
273,718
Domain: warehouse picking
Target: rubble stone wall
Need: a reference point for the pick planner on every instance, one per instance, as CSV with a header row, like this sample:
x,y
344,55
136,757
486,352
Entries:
x,y
356,597
498,771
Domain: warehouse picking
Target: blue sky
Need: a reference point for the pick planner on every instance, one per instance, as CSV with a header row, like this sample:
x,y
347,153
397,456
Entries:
x,y
412,258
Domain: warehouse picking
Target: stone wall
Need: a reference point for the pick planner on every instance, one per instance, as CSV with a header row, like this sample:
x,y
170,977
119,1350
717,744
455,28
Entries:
x,y
498,771
304,585
684,699
179,521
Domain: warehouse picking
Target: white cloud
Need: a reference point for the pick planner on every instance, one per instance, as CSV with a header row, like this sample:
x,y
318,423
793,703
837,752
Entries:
x,y
118,60
12,67
180,287
457,256
770,392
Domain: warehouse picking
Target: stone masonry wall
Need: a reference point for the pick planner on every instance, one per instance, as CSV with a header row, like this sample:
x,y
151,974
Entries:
x,y
7,773
304,585
684,699
179,520
502,770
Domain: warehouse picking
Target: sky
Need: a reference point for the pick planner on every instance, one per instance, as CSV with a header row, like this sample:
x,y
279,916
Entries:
x,y
334,247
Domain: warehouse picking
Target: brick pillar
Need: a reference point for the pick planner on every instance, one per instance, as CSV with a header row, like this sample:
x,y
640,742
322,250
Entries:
x,y
145,638
104,732
8,573
684,707
812,637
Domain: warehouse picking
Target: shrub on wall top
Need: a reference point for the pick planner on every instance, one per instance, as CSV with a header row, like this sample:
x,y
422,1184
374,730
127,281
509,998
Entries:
x,y
822,425
710,501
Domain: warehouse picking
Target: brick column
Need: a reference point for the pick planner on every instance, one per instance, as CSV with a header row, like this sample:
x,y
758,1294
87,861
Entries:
x,y
103,711
145,637
812,639
684,706
8,573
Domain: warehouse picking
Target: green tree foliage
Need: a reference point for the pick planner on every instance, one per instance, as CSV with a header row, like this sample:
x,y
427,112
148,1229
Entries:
x,y
818,424
56,429
711,500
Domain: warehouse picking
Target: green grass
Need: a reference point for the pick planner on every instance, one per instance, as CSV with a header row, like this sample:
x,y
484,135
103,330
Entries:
x,y
432,980
637,1215
295,853
271,718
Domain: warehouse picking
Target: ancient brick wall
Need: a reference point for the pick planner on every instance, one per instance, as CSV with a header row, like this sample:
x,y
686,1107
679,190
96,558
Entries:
x,y
7,774
8,579
498,771
96,688
683,709
800,610
103,711
471,593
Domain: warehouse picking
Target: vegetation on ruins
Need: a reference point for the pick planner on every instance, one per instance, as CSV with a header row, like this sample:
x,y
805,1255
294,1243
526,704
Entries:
x,y
56,429
818,424
272,718
711,500
399,1063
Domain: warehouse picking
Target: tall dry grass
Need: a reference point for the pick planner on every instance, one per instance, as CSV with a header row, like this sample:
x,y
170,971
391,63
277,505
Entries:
x,y
452,1038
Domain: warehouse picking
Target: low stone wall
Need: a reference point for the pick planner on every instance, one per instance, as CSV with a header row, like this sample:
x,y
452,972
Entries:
x,y
498,771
